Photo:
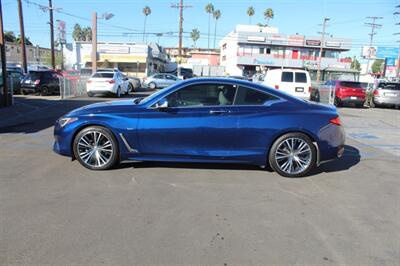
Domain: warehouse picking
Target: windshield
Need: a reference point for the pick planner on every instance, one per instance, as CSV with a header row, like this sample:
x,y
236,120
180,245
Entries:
x,y
103,75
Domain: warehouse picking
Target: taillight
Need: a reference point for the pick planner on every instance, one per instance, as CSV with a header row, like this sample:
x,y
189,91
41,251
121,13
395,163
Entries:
x,y
309,89
277,87
89,81
111,81
37,82
336,121
376,92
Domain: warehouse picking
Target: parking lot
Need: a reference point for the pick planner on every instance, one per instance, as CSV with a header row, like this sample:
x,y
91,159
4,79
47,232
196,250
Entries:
x,y
53,211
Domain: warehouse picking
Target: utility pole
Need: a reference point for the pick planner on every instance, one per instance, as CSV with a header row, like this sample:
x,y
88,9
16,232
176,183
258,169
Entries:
x,y
373,26
321,48
181,7
53,60
398,52
3,60
22,33
94,42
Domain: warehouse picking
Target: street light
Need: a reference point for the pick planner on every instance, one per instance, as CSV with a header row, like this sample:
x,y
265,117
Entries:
x,y
105,16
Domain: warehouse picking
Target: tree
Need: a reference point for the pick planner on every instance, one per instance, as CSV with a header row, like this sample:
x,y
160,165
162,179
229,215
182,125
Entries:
x,y
87,34
146,12
9,36
106,64
27,41
377,66
195,35
217,16
250,13
355,64
268,15
210,10
77,33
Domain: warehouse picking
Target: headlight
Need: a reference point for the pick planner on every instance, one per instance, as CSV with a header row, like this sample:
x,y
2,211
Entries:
x,y
66,120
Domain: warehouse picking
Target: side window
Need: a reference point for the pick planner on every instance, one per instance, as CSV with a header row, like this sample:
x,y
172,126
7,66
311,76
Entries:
x,y
203,95
246,96
300,77
170,77
287,76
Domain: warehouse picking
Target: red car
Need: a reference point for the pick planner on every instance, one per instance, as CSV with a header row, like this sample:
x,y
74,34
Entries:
x,y
348,92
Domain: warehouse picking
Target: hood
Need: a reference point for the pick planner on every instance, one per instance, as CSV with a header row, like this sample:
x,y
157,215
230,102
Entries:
x,y
102,107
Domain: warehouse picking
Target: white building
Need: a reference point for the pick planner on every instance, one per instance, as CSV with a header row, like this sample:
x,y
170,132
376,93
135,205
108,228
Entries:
x,y
132,58
250,48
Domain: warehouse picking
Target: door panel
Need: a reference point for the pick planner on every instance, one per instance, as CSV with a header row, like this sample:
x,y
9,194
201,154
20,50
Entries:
x,y
199,132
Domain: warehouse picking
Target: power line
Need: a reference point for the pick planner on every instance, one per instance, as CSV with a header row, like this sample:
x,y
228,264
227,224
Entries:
x,y
373,25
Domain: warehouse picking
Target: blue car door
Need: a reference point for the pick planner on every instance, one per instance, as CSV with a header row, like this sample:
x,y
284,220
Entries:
x,y
257,120
200,122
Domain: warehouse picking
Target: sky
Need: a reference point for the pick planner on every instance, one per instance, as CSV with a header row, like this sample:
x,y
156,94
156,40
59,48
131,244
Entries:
x,y
347,18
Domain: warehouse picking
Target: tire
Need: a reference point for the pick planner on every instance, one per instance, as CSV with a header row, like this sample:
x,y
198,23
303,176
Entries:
x,y
296,166
129,89
88,153
152,85
337,102
360,105
23,92
44,91
90,94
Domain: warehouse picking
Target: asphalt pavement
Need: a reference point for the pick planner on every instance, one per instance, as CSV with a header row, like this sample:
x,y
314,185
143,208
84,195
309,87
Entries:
x,y
55,212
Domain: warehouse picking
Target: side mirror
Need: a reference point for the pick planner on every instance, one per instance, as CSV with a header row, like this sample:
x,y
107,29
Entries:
x,y
162,104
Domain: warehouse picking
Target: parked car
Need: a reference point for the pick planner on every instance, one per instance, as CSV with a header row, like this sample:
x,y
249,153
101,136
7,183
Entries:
x,y
107,82
14,80
43,82
160,80
205,120
136,83
347,92
293,81
186,73
386,94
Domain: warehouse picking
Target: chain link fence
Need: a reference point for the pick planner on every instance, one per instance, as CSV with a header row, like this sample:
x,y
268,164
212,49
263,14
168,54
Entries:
x,y
72,87
323,93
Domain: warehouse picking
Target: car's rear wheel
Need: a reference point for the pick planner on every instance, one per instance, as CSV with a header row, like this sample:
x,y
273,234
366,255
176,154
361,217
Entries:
x,y
293,155
44,91
337,102
129,89
90,94
96,148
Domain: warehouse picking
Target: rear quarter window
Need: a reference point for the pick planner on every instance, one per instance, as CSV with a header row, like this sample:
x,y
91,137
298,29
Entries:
x,y
300,77
287,76
103,75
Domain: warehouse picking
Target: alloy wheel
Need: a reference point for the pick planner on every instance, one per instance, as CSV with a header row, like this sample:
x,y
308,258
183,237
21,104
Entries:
x,y
95,149
293,156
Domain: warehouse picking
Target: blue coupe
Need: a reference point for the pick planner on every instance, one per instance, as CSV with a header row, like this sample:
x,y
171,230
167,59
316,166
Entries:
x,y
212,120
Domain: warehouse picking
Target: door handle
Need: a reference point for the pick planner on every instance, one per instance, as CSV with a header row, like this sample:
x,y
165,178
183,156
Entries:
x,y
219,112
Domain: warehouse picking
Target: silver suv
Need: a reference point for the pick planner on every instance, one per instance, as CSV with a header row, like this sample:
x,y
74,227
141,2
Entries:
x,y
386,94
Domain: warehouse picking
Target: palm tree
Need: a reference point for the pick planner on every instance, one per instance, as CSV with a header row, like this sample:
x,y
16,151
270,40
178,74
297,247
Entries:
x,y
209,10
216,15
146,12
195,35
250,13
268,14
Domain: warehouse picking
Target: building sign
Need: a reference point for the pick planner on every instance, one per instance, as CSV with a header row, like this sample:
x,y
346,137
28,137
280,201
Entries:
x,y
256,39
369,52
313,42
297,40
390,62
263,62
332,44
113,49
277,38
387,52
61,36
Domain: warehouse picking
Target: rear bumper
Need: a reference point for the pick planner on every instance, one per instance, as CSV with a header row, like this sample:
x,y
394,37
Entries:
x,y
386,100
331,145
30,88
352,99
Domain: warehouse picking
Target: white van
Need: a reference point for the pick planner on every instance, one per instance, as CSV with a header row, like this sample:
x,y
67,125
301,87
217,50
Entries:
x,y
293,81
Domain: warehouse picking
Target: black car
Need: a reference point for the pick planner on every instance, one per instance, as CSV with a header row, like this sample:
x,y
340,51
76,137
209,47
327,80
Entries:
x,y
43,82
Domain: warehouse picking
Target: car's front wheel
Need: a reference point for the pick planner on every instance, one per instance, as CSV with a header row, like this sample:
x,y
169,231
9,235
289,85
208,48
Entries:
x,y
293,155
96,148
152,85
